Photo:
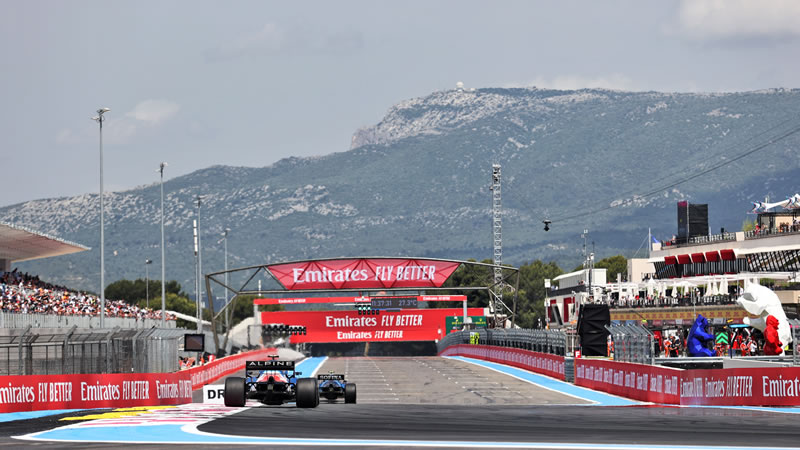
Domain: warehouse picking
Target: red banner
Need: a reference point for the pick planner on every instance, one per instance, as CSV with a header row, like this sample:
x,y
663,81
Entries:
x,y
201,375
307,300
550,365
655,384
86,391
349,326
761,386
755,386
82,391
377,273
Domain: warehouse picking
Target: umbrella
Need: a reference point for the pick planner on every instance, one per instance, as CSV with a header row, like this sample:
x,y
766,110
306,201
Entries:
x,y
683,285
651,284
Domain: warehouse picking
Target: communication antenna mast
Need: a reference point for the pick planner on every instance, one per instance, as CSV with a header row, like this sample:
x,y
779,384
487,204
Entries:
x,y
496,294
497,225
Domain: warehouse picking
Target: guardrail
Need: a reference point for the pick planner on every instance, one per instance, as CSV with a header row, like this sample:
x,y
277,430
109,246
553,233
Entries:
x,y
18,320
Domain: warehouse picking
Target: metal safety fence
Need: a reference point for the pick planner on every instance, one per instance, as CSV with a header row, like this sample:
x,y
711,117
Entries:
x,y
545,341
153,350
632,343
795,326
18,320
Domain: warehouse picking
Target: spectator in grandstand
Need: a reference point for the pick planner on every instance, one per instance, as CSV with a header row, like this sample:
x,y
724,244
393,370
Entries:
x,y
26,294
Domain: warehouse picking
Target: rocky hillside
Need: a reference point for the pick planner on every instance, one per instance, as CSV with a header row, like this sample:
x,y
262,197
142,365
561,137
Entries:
x,y
416,184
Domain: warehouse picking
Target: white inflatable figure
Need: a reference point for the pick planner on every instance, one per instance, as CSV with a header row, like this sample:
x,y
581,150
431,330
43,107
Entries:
x,y
761,301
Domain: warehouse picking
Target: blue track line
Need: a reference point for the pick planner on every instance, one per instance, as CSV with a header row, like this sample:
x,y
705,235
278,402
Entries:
x,y
310,366
24,415
175,434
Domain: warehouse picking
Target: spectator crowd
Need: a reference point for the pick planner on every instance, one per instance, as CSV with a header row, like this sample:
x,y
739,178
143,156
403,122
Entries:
x,y
26,294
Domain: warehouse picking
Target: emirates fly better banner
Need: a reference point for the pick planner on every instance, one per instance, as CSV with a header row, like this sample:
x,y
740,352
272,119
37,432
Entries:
x,y
349,326
36,392
377,273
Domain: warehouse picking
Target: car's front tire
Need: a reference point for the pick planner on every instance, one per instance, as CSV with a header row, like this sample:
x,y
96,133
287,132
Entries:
x,y
350,393
307,393
234,392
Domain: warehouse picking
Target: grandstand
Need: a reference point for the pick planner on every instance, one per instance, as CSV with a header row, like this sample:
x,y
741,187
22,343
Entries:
x,y
25,294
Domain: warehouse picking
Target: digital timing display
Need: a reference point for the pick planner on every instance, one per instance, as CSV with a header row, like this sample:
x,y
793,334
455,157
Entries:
x,y
394,302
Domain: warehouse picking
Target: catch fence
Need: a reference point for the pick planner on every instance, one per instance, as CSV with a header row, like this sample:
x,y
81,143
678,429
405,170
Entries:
x,y
18,320
544,341
153,350
632,343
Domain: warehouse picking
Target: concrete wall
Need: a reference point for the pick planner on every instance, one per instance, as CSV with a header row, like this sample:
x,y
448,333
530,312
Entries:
x,y
637,268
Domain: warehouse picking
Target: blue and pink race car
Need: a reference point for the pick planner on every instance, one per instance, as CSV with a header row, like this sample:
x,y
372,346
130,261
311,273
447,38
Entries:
x,y
333,386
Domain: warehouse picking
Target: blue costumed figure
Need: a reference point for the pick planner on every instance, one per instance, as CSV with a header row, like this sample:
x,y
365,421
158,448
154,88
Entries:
x,y
696,342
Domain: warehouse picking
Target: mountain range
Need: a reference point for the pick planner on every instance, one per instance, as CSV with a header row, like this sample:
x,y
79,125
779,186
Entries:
x,y
417,184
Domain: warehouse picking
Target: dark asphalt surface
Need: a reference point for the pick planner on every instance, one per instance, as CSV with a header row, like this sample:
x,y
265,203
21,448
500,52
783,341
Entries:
x,y
443,400
494,423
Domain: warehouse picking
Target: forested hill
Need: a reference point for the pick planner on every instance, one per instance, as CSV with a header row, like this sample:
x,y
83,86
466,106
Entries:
x,y
417,184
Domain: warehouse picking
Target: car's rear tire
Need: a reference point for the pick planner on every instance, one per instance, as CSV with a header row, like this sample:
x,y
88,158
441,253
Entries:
x,y
350,393
307,393
234,392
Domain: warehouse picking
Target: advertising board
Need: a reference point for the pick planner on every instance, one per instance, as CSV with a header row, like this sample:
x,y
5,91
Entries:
x,y
551,365
363,273
454,323
761,386
637,381
310,300
349,326
85,391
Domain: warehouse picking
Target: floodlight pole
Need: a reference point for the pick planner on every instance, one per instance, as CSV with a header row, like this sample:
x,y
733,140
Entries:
x,y
163,259
147,263
225,241
199,250
99,118
196,278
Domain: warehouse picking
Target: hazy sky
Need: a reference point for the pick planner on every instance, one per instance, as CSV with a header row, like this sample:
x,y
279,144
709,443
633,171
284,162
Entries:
x,y
199,83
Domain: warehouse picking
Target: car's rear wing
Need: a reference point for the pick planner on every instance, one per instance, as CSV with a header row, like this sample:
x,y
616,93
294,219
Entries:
x,y
331,376
269,365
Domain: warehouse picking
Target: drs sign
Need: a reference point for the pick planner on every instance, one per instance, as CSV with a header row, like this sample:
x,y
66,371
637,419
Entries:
x,y
214,394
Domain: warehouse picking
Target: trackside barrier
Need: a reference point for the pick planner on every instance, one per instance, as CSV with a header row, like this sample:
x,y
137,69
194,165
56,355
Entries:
x,y
761,386
34,393
542,341
217,369
642,382
551,365
86,391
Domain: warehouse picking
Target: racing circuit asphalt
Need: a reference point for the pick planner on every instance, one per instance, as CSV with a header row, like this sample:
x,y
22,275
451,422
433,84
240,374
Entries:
x,y
440,399
432,398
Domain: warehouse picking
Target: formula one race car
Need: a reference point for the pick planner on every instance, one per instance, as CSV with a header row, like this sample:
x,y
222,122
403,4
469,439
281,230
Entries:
x,y
271,383
333,386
